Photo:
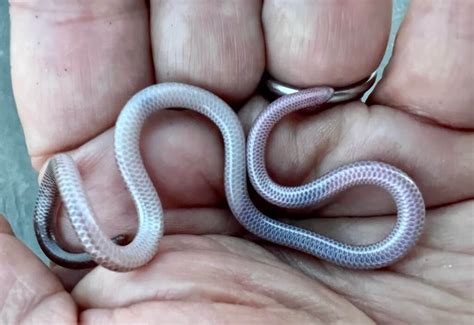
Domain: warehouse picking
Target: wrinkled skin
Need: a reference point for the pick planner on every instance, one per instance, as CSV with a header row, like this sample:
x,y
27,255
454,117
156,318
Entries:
x,y
74,64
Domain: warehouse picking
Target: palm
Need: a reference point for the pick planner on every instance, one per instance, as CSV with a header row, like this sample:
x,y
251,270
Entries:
x,y
222,278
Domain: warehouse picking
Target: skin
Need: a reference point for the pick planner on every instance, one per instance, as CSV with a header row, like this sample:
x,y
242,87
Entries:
x,y
70,86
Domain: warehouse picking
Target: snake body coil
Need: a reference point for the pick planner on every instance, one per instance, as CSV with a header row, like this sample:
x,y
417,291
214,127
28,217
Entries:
x,y
62,178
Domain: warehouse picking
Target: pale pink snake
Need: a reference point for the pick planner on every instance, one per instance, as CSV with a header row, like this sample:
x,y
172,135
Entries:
x,y
62,174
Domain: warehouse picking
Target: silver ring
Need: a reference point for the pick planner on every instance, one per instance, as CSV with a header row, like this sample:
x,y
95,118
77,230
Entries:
x,y
356,90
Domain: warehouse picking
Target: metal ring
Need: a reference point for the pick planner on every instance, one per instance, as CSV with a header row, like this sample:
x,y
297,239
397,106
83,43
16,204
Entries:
x,y
356,90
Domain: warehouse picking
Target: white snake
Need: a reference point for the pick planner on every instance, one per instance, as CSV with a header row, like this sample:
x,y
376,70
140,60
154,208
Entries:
x,y
62,178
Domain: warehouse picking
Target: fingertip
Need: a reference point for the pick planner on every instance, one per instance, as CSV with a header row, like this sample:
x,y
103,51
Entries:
x,y
88,44
198,50
430,72
325,42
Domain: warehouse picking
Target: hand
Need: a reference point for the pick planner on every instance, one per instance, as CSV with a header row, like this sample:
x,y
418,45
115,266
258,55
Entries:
x,y
75,65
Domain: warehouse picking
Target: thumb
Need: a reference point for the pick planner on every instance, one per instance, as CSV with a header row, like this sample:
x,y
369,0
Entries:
x,y
28,289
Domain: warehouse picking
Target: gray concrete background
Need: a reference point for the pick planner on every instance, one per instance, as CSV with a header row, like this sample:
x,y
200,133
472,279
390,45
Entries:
x,y
17,180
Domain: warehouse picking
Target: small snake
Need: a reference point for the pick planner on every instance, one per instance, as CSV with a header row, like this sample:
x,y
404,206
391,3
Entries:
x,y
62,179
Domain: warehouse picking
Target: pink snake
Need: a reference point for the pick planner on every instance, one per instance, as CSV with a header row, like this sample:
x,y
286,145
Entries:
x,y
62,179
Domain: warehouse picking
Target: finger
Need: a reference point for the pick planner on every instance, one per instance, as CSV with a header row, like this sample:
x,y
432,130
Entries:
x,y
29,292
431,70
74,65
303,149
436,274
325,42
217,45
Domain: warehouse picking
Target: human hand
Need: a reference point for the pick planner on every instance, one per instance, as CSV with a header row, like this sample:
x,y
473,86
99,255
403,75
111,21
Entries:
x,y
70,87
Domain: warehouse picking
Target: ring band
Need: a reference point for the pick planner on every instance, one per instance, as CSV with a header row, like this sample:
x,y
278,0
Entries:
x,y
356,90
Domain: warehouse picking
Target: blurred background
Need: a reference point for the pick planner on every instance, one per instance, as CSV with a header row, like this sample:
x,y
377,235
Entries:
x,y
18,184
